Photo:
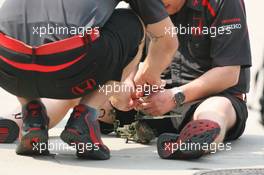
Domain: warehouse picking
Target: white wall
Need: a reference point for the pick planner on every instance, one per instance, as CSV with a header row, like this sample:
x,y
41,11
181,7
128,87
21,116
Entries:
x,y
256,27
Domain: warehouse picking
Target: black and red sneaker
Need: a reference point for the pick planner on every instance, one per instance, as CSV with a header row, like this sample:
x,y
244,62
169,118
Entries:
x,y
34,131
190,143
83,132
9,130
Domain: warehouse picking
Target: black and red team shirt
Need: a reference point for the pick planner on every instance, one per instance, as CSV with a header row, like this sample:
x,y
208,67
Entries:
x,y
18,17
200,51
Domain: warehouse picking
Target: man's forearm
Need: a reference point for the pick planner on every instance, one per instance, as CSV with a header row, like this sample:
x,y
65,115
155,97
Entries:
x,y
162,47
212,82
161,54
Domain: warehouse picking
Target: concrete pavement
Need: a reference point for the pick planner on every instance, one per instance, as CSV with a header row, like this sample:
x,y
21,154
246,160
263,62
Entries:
x,y
133,158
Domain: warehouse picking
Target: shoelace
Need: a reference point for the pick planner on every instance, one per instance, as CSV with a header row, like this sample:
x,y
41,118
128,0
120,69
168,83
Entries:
x,y
18,115
112,113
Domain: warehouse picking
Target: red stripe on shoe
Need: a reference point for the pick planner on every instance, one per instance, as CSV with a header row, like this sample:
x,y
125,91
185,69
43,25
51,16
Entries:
x,y
92,132
34,129
73,131
3,137
4,130
197,127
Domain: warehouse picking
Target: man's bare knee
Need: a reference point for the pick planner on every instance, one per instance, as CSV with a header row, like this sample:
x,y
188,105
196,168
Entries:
x,y
218,109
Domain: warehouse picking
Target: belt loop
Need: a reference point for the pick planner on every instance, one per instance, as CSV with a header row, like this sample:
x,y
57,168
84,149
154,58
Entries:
x,y
33,54
245,97
87,41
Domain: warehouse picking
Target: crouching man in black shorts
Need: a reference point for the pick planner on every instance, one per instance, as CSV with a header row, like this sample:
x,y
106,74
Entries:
x,y
43,54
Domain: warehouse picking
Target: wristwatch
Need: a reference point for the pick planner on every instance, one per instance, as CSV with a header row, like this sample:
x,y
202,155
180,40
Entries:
x,y
179,97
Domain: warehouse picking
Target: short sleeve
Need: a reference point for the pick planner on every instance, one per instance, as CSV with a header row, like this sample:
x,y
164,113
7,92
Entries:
x,y
151,11
233,47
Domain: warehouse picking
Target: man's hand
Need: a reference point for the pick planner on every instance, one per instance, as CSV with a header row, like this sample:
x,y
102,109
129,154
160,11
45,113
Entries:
x,y
158,103
146,76
124,100
122,103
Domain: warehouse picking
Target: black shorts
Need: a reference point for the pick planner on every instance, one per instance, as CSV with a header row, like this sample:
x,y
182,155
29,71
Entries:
x,y
166,126
104,60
